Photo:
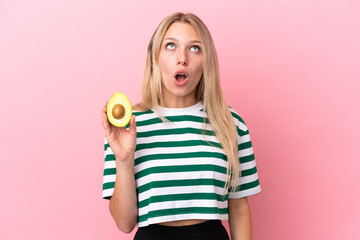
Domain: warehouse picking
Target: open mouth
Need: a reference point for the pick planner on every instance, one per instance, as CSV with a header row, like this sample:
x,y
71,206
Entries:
x,y
180,77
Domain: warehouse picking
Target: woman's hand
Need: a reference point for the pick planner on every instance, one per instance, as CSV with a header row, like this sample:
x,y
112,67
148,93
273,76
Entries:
x,y
121,140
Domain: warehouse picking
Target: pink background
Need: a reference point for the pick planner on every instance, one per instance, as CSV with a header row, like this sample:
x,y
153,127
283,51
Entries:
x,y
290,68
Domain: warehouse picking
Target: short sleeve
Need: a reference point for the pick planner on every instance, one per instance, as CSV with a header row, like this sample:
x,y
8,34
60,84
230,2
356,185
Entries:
x,y
248,183
109,172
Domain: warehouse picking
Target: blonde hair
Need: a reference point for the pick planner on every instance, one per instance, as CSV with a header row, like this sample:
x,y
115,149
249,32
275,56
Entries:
x,y
208,90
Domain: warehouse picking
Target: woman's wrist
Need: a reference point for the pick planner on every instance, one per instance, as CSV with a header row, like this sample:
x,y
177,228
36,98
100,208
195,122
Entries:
x,y
126,163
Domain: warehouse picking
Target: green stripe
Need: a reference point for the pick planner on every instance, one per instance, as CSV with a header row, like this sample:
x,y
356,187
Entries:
x,y
241,132
189,118
164,132
181,118
247,158
176,211
179,155
106,146
110,157
109,171
244,145
237,117
181,183
108,185
181,197
176,144
247,186
182,144
148,122
248,172
182,168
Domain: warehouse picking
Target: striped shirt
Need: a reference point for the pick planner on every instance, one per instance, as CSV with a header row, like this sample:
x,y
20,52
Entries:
x,y
180,167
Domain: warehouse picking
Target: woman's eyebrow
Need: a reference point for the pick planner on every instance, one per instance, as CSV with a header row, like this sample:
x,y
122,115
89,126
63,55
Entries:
x,y
196,41
170,38
175,40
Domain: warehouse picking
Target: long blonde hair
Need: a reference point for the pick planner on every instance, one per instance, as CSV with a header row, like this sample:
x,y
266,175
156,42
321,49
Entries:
x,y
208,90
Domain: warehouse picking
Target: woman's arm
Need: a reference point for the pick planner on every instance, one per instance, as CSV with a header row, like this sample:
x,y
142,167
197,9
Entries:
x,y
240,219
123,202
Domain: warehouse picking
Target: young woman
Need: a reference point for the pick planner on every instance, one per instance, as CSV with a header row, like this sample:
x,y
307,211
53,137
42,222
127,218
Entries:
x,y
186,162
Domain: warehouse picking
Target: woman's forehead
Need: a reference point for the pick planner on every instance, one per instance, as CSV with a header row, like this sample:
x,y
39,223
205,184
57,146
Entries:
x,y
181,31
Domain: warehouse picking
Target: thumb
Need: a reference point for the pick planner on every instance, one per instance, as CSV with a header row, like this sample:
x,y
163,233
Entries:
x,y
132,125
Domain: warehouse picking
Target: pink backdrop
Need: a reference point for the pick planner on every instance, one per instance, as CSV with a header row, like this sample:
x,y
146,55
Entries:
x,y
290,68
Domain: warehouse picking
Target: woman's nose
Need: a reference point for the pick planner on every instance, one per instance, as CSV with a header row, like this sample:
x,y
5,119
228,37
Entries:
x,y
182,57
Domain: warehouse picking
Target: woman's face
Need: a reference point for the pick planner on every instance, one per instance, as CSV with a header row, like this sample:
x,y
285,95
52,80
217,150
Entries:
x,y
180,62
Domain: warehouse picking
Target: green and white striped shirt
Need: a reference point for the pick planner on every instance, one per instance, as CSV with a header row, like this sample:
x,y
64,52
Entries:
x,y
178,174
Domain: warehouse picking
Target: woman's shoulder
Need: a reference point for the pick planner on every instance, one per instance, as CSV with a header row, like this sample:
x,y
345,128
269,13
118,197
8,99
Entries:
x,y
236,115
239,121
139,107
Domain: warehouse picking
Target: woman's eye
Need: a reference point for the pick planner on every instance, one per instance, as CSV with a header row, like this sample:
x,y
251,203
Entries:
x,y
170,46
194,48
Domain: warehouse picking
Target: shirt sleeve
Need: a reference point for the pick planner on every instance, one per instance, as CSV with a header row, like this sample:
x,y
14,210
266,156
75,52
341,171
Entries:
x,y
248,182
109,172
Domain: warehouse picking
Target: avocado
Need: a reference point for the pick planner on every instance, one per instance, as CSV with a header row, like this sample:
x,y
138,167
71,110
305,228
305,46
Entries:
x,y
119,110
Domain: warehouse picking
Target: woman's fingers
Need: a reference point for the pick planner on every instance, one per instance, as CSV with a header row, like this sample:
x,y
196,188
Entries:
x,y
105,121
105,124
